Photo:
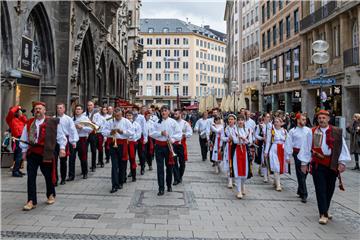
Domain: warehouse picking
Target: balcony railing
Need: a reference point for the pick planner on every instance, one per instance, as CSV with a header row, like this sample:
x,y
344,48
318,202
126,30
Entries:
x,y
351,57
318,15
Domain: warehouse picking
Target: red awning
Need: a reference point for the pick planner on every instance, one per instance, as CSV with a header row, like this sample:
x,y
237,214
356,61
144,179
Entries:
x,y
192,107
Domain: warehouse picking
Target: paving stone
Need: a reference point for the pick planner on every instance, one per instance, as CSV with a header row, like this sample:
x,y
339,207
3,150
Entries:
x,y
79,230
53,230
154,233
180,234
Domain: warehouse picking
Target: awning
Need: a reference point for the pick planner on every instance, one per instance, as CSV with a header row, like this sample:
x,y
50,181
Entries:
x,y
194,106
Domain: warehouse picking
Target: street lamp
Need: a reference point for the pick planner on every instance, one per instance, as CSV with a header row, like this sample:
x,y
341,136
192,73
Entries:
x,y
320,57
234,88
264,76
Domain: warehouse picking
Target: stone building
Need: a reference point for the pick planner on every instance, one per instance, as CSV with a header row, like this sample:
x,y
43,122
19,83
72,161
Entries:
x,y
68,51
336,22
280,53
183,62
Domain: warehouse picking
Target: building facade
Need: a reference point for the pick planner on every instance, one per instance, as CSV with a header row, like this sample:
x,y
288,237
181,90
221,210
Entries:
x,y
182,62
336,22
68,51
280,50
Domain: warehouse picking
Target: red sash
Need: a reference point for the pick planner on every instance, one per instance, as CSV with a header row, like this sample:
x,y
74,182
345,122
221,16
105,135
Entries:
x,y
124,143
67,148
280,152
100,142
107,143
241,159
131,145
165,144
219,158
183,142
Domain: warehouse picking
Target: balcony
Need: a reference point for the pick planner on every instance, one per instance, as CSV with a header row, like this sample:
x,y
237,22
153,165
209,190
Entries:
x,y
318,15
351,57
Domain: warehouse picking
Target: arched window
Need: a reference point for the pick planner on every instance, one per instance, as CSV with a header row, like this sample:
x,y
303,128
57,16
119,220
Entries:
x,y
355,35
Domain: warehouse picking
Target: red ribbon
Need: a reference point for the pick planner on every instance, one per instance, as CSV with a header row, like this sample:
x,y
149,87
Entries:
x,y
100,142
218,148
83,147
280,152
131,145
241,159
183,142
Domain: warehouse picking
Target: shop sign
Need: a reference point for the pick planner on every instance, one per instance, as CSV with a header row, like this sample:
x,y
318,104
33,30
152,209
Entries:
x,y
26,54
297,94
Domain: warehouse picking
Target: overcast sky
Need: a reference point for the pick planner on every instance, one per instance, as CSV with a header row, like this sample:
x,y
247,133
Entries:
x,y
198,12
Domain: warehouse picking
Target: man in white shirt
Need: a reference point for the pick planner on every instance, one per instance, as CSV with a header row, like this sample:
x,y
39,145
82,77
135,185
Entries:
x,y
71,134
166,133
110,112
140,119
202,126
92,139
293,142
326,151
100,119
37,142
120,129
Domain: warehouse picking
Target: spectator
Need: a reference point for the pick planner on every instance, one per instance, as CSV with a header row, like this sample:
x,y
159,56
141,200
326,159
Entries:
x,y
354,130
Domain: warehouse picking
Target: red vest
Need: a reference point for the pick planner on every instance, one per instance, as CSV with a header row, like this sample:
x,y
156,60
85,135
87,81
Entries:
x,y
38,148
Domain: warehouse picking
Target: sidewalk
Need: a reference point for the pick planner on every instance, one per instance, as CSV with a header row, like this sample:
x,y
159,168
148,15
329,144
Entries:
x,y
201,207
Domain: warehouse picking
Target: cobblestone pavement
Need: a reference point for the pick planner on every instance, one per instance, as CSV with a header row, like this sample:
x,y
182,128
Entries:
x,y
200,208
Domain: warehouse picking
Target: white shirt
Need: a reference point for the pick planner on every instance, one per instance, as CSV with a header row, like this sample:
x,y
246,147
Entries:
x,y
250,124
99,120
137,132
123,124
279,137
296,137
86,130
154,118
170,126
69,128
140,119
60,137
306,147
241,133
203,127
185,128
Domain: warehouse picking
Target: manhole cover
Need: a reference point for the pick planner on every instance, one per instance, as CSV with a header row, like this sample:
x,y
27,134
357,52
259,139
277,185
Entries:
x,y
87,216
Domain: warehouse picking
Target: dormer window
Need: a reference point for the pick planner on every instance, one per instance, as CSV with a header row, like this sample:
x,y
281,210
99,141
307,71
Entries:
x,y
165,30
151,30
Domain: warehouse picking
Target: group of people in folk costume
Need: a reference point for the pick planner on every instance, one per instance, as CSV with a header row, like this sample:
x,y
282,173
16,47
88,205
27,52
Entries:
x,y
234,147
43,140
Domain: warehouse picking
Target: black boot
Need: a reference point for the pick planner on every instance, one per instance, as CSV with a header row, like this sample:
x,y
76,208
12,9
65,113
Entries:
x,y
133,175
356,166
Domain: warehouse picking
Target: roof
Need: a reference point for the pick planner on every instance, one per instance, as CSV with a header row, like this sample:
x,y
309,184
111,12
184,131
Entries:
x,y
157,25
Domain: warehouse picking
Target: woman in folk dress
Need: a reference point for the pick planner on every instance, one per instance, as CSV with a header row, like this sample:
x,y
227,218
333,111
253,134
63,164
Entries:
x,y
217,128
241,155
229,134
274,150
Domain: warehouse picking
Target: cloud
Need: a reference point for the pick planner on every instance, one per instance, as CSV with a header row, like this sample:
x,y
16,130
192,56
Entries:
x,y
200,12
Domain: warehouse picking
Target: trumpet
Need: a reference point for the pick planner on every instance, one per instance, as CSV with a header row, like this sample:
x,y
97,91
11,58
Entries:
x,y
90,124
171,149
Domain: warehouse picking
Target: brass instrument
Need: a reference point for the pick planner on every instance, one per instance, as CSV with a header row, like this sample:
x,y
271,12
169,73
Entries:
x,y
115,141
90,124
171,149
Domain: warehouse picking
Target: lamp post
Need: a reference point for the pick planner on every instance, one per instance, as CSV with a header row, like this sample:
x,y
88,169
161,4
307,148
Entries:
x,y
234,88
264,77
320,57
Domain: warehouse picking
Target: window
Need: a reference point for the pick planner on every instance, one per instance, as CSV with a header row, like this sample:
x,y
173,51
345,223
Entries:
x,y
167,53
141,41
274,70
252,17
149,41
176,77
197,42
176,65
274,35
176,41
197,54
268,9
197,91
185,53
185,65
185,41
158,77
197,66
296,63
248,20
167,77
201,54
158,90
186,77
158,65
149,53
185,91
256,14
179,29
158,41
150,30
176,53
149,77
158,53
141,65
148,64
243,24
236,26
167,65
281,30
288,26
268,38
296,20
262,14
263,42
141,77
167,90
280,4
336,41
167,41
312,6
274,7
175,91
281,68
148,91
140,93
165,30
288,65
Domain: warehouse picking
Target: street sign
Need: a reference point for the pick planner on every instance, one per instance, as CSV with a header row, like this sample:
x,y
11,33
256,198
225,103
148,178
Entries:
x,y
322,81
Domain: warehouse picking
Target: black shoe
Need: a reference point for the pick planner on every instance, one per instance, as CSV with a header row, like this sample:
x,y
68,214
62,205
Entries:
x,y
62,182
56,184
356,167
169,189
129,175
133,179
204,159
70,179
17,174
114,189
98,164
150,168
214,164
303,200
120,186
107,161
85,176
22,173
176,182
102,165
160,193
93,169
142,171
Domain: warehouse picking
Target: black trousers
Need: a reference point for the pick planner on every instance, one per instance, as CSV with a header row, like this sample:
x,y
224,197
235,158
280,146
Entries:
x,y
63,163
148,156
92,141
179,167
301,178
204,147
35,161
118,166
141,153
162,158
324,181
17,157
81,150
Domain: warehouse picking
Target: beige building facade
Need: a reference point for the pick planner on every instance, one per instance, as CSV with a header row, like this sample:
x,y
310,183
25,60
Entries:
x,y
182,63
